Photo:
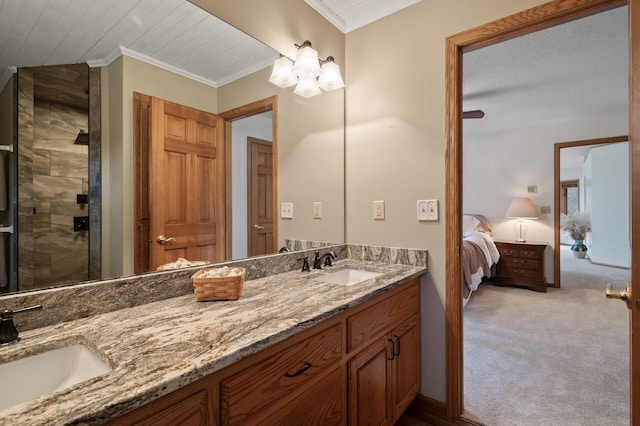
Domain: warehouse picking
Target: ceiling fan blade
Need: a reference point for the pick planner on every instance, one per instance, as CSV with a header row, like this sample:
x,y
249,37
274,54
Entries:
x,y
478,113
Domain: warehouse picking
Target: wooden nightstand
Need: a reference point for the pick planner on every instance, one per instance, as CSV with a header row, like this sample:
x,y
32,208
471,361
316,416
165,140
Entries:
x,y
521,264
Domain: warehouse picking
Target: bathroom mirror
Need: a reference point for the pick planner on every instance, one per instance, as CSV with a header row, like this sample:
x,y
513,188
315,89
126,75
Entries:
x,y
310,139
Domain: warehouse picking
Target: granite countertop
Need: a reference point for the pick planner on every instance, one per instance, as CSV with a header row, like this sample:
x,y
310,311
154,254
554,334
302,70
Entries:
x,y
161,346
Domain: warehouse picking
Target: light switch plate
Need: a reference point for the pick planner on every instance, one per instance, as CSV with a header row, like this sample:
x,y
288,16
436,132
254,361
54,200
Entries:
x,y
317,209
286,210
427,210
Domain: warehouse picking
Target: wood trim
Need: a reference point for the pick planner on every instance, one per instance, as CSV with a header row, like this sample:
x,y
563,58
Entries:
x,y
432,411
253,108
557,192
528,21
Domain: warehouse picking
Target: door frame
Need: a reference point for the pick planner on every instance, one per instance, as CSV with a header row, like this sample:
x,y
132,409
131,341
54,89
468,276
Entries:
x,y
525,22
558,192
244,111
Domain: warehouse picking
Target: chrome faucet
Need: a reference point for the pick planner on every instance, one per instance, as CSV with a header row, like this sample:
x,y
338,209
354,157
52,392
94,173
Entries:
x,y
8,331
317,262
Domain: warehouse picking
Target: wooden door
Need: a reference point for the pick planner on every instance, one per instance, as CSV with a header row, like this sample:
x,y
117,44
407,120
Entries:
x,y
260,201
634,155
187,184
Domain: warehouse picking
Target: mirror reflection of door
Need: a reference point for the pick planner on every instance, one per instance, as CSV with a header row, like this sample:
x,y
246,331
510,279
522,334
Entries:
x,y
569,196
180,213
260,191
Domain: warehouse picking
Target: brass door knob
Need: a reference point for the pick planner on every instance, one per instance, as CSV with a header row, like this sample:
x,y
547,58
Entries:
x,y
162,240
258,227
624,295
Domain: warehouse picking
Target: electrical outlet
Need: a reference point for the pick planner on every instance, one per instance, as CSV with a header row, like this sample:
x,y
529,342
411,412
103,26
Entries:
x,y
317,209
378,210
427,210
286,210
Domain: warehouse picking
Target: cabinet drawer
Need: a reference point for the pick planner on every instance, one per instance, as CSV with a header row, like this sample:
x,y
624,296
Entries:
x,y
517,262
378,318
281,376
323,404
515,272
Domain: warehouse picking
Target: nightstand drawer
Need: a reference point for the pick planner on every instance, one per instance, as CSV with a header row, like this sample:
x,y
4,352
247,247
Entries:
x,y
522,263
515,272
529,254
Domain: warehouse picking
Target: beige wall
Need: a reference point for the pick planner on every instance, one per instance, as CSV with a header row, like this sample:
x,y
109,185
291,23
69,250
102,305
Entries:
x,y
310,154
395,144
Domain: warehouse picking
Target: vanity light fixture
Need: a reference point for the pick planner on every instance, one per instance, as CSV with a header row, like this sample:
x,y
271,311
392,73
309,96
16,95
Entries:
x,y
308,72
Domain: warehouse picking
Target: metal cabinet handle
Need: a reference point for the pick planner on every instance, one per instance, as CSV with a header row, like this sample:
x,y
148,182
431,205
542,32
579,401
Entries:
x,y
305,367
258,227
397,346
162,240
393,350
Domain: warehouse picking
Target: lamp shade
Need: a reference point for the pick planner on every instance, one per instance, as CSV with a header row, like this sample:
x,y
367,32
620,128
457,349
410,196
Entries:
x,y
330,78
307,87
282,74
307,64
522,208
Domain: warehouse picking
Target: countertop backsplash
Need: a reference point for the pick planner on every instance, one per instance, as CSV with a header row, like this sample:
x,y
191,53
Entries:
x,y
97,297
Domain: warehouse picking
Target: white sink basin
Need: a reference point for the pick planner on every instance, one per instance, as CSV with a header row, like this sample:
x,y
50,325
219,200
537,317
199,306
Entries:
x,y
347,277
27,378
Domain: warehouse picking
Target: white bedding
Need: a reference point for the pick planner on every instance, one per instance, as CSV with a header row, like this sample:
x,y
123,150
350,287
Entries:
x,y
491,253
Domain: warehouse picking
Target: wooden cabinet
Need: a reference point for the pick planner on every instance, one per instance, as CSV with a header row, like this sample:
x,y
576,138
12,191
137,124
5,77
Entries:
x,y
191,405
385,377
361,366
249,396
521,264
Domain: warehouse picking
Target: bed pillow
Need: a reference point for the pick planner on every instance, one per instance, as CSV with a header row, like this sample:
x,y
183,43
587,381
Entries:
x,y
469,223
484,225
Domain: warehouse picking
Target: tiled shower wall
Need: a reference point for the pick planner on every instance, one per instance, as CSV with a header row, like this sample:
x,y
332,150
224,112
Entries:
x,y
56,171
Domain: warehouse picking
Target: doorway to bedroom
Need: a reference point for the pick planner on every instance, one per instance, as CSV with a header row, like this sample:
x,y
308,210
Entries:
x,y
516,371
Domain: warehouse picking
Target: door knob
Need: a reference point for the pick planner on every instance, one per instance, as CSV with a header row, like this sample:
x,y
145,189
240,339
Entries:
x,y
258,227
624,295
162,240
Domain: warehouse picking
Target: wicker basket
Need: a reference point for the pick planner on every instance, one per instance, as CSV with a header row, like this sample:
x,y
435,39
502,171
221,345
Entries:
x,y
217,288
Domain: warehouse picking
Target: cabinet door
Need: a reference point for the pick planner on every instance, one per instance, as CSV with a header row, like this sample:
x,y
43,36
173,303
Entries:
x,y
369,390
406,364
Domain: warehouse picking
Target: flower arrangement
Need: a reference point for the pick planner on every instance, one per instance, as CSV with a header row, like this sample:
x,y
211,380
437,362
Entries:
x,y
577,225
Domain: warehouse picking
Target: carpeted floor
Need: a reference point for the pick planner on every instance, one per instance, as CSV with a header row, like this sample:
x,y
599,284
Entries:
x,y
555,358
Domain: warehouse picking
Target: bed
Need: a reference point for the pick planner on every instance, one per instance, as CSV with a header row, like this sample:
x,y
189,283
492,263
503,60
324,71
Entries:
x,y
479,253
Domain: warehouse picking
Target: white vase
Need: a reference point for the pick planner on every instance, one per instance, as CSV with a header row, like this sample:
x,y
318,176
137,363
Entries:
x,y
579,249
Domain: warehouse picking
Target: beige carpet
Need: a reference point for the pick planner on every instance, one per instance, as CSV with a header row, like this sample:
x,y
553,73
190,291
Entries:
x,y
555,358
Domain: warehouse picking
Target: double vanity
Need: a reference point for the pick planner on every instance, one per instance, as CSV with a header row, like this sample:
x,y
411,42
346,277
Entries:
x,y
331,345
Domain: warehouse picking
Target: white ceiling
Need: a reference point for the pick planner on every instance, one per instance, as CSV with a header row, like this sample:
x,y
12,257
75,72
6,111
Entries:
x,y
173,34
349,15
573,71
